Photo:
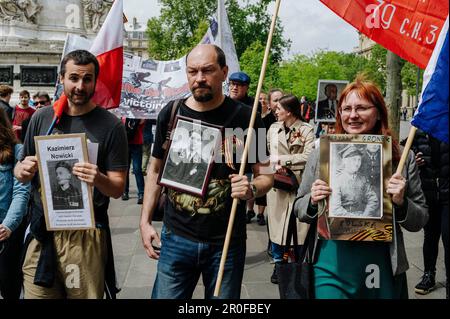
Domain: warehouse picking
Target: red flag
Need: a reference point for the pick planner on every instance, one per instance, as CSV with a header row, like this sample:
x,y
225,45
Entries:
x,y
409,28
108,48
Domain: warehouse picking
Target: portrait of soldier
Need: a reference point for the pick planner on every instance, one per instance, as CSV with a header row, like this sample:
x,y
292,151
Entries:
x,y
353,194
187,163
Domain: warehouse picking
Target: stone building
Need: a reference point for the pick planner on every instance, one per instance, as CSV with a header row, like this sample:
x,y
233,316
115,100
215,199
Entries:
x,y
32,36
136,39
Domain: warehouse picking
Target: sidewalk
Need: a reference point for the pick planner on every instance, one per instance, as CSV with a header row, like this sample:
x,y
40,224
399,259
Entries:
x,y
136,272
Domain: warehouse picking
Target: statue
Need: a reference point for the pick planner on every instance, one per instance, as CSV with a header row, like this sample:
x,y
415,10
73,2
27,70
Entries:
x,y
94,11
19,10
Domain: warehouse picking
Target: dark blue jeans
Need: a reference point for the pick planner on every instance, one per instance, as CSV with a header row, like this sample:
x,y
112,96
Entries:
x,y
277,252
182,261
135,156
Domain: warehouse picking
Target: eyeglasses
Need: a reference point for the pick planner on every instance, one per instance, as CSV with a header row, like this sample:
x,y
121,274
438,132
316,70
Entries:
x,y
41,102
359,109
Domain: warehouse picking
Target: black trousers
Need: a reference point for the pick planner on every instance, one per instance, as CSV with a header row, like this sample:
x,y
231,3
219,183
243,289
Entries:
x,y
437,225
445,235
10,264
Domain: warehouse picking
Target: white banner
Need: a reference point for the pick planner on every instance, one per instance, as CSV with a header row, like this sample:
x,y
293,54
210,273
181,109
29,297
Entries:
x,y
148,85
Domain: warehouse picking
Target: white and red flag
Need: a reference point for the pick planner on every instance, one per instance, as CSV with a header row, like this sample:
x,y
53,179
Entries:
x,y
108,48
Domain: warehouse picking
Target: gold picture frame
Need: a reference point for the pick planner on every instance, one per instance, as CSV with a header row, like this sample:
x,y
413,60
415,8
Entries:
x,y
359,209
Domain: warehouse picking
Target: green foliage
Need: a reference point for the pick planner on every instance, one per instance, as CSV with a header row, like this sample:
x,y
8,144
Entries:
x,y
301,74
375,67
409,78
251,63
182,24
175,31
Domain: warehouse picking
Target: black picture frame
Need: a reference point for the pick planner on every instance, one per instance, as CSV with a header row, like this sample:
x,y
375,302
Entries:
x,y
190,156
38,75
7,74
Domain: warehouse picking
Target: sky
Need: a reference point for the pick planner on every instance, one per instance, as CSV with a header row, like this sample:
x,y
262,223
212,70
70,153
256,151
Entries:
x,y
309,24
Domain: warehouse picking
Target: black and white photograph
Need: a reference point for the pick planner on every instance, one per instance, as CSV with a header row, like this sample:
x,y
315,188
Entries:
x,y
172,66
190,156
328,92
150,64
356,180
66,188
67,201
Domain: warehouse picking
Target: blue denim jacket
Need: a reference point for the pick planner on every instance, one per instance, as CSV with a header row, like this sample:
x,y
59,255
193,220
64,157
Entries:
x,y
13,195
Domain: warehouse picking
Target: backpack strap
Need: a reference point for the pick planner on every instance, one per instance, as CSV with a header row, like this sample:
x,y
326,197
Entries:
x,y
174,111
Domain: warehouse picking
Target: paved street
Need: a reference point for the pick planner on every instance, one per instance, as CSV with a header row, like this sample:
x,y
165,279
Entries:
x,y
136,272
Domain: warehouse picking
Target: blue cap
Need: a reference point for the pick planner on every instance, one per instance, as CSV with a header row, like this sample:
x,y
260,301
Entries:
x,y
240,77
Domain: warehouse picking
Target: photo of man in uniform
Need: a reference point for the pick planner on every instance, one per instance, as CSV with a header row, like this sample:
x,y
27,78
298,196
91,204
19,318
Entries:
x,y
188,159
66,194
353,194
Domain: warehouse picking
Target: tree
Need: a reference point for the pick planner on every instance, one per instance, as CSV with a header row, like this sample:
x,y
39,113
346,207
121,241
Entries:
x,y
251,62
409,78
394,65
301,74
181,23
376,66
177,29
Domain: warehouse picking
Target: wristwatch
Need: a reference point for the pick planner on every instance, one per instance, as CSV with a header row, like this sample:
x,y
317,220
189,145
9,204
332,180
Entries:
x,y
254,190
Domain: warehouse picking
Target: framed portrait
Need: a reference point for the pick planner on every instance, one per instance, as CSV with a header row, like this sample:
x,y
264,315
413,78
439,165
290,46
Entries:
x,y
67,201
356,167
328,94
190,156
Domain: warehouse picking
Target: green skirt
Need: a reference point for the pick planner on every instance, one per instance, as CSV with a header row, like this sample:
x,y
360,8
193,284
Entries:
x,y
356,270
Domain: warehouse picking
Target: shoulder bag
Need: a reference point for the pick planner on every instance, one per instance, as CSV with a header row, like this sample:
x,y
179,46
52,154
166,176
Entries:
x,y
296,279
285,180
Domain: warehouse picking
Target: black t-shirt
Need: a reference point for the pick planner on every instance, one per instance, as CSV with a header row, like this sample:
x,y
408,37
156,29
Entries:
x,y
100,127
212,227
269,119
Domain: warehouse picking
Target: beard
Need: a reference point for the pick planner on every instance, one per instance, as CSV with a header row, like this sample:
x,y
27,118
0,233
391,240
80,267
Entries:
x,y
81,98
205,96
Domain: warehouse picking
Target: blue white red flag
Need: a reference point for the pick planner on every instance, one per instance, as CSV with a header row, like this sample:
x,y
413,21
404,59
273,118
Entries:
x,y
432,113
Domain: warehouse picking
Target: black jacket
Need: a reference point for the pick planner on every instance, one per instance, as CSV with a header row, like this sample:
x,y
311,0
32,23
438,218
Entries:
x,y
8,109
434,173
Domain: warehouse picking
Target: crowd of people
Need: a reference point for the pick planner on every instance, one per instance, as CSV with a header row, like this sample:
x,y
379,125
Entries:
x,y
33,263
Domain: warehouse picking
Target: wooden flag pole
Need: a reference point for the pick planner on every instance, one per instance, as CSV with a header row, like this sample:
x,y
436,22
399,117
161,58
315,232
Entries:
x,y
401,164
246,148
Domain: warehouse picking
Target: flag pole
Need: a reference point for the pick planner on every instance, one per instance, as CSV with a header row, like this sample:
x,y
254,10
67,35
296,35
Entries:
x,y
401,164
246,148
219,22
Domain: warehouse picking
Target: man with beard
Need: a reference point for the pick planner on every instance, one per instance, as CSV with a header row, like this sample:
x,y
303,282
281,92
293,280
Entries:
x,y
192,236
49,254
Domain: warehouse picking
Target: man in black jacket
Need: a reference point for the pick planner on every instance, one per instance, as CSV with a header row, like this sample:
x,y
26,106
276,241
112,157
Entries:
x,y
432,159
5,97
